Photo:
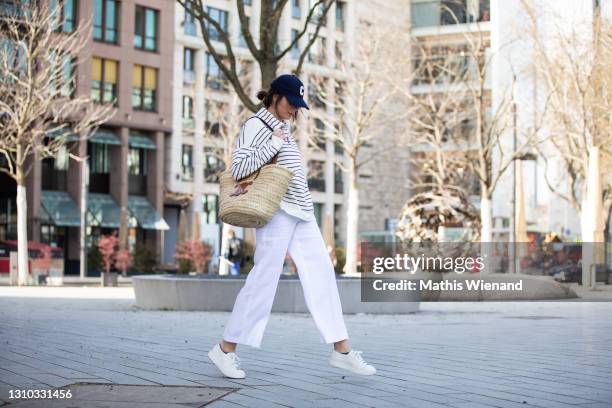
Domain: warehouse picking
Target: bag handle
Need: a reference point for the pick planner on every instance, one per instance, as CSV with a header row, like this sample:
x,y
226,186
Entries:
x,y
273,160
241,187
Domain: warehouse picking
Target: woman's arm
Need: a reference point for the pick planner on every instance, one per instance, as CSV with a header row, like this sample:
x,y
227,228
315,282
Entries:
x,y
254,148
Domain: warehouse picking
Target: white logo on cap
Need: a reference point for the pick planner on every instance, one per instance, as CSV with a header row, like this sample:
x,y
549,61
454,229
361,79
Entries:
x,y
302,90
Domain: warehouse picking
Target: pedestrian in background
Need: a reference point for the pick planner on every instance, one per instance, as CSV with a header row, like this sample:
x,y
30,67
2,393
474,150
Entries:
x,y
235,252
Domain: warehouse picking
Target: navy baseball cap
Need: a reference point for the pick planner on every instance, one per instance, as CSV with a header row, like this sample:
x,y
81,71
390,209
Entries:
x,y
292,88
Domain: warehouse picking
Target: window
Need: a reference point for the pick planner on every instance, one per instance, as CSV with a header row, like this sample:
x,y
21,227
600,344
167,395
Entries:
x,y
317,15
187,107
453,12
316,53
214,76
145,28
64,13
316,175
340,16
99,158
8,217
220,16
137,162
295,50
189,65
319,133
106,21
189,22
449,12
338,182
104,80
187,162
188,121
210,205
14,53
314,94
214,112
295,9
64,78
144,88
213,164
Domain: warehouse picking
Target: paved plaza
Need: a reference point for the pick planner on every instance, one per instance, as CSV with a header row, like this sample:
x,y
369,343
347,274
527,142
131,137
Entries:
x,y
462,355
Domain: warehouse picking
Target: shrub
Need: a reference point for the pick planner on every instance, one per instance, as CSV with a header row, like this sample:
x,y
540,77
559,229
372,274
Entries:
x,y
196,252
107,245
145,259
341,259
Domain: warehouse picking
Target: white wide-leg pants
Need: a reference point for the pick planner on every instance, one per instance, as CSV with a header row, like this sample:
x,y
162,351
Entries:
x,y
306,247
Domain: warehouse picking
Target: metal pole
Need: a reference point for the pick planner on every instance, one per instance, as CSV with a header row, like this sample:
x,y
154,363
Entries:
x,y
83,226
512,247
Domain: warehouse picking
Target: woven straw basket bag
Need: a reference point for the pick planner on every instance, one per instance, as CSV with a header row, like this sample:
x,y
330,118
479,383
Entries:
x,y
251,201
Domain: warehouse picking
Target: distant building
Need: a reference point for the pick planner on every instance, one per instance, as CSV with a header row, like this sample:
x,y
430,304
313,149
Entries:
x,y
128,58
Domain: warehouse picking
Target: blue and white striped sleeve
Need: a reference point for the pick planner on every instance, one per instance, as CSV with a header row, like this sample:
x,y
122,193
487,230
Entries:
x,y
254,148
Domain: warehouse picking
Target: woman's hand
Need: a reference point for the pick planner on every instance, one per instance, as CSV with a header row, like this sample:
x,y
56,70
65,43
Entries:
x,y
278,132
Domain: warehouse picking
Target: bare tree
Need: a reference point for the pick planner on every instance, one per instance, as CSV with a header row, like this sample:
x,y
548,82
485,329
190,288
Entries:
x,y
575,68
221,133
267,54
451,91
356,104
38,108
440,127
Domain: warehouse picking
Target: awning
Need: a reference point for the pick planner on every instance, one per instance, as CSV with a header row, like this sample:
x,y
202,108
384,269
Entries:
x,y
141,141
67,133
60,208
145,214
104,211
104,136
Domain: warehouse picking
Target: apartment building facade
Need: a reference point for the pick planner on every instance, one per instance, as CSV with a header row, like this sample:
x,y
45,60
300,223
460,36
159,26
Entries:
x,y
125,60
194,157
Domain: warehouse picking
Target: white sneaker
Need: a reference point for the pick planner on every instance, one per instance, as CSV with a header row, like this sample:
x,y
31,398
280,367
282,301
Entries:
x,y
352,362
227,363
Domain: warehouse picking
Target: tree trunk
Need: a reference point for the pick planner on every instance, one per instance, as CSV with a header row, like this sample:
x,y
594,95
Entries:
x,y
22,230
223,265
268,73
486,234
352,219
486,219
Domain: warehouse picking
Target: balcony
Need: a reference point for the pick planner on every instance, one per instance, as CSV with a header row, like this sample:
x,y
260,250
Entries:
x,y
432,13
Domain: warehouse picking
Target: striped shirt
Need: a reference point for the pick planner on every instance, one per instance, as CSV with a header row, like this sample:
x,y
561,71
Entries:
x,y
256,146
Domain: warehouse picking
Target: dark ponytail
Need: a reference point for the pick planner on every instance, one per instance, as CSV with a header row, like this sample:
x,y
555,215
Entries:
x,y
267,97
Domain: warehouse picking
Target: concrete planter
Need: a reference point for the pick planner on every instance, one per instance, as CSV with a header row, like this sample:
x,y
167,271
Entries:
x,y
214,293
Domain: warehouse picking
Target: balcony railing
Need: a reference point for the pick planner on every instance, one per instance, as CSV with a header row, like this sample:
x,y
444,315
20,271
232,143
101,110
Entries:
x,y
448,12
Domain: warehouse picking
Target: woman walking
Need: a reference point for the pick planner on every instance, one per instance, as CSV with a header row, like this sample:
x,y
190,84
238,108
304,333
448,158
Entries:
x,y
292,228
